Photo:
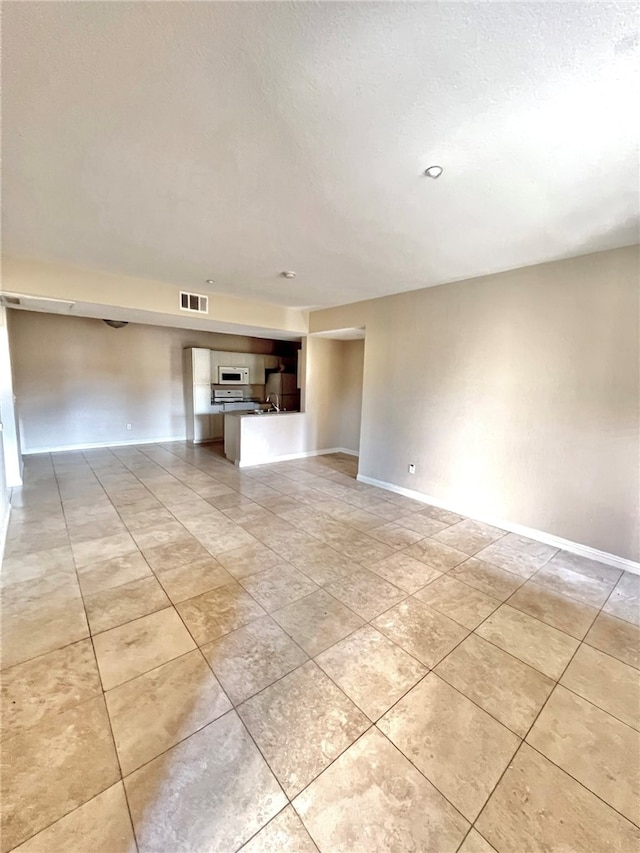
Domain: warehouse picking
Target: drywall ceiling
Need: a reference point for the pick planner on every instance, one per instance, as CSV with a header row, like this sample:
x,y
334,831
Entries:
x,y
188,141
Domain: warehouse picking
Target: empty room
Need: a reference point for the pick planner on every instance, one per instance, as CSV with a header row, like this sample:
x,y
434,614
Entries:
x,y
320,427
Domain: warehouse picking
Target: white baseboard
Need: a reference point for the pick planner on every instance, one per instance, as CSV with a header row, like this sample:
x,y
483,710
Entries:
x,y
4,527
287,457
539,535
95,444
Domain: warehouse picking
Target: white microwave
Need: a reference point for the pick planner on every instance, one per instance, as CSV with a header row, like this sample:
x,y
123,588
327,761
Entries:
x,y
233,375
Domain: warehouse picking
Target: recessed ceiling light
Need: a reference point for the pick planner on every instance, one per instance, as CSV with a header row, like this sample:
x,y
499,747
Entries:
x,y
288,274
433,171
210,281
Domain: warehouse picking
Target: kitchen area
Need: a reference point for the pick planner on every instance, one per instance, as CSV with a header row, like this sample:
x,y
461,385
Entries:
x,y
221,388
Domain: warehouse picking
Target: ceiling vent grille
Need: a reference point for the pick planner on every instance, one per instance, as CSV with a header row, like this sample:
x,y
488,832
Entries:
x,y
194,302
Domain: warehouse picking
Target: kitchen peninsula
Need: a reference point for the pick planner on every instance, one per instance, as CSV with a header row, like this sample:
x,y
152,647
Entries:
x,y
258,438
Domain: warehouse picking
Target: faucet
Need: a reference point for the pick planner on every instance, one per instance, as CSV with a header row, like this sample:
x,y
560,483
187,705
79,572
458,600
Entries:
x,y
275,405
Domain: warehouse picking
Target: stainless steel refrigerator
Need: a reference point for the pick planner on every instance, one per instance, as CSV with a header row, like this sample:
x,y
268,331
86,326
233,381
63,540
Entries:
x,y
281,388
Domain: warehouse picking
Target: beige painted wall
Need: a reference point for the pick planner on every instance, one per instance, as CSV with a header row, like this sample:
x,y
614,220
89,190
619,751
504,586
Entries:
x,y
78,381
349,400
516,395
332,398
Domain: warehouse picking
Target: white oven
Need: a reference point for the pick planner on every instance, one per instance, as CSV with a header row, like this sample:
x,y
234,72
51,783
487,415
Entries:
x,y
233,375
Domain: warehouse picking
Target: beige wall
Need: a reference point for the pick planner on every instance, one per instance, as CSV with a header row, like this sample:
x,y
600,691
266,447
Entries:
x,y
516,395
78,381
349,398
332,398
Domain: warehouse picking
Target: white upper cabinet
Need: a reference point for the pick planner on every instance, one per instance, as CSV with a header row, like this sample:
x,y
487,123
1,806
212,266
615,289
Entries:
x,y
256,369
201,365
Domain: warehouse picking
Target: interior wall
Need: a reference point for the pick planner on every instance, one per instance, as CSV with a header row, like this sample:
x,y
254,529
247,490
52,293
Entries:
x,y
515,395
9,439
349,397
78,381
332,396
322,362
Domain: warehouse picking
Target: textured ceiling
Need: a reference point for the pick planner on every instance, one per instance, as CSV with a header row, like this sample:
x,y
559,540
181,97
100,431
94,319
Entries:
x,y
186,141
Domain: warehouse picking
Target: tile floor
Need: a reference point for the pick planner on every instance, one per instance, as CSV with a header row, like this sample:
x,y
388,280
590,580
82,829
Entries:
x,y
284,659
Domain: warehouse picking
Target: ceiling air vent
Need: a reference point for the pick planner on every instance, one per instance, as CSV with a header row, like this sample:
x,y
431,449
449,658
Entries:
x,y
194,302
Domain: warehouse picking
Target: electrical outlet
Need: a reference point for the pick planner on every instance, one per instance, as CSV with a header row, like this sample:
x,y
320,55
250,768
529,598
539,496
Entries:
x,y
412,468
128,426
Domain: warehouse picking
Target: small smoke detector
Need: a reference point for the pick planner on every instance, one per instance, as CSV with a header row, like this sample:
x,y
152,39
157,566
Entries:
x,y
288,274
116,324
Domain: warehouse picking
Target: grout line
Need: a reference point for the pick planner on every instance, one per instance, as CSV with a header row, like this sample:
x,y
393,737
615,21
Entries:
x,y
104,700
330,544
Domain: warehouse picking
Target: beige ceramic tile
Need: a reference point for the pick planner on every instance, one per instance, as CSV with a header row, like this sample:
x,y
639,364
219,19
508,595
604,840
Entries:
x,y
284,834
47,685
214,785
502,685
252,658
625,599
458,601
616,637
469,536
593,747
96,577
113,607
301,724
530,547
278,586
487,578
214,613
102,825
317,621
164,558
193,579
421,524
39,593
579,587
371,670
421,631
33,566
35,630
52,768
443,515
372,798
541,646
458,747
91,530
439,556
366,593
134,648
405,572
106,548
505,556
322,563
475,843
396,535
358,546
536,806
555,609
156,710
31,539
147,518
245,561
584,566
164,533
607,682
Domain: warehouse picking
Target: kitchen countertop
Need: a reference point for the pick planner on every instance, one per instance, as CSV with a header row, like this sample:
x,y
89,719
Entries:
x,y
255,417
